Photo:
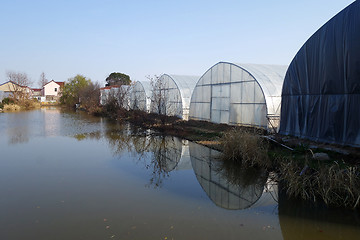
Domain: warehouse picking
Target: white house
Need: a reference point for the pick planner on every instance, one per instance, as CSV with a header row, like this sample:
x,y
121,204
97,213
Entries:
x,y
52,90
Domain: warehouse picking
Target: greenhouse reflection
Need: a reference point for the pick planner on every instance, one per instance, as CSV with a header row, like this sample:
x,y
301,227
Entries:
x,y
231,187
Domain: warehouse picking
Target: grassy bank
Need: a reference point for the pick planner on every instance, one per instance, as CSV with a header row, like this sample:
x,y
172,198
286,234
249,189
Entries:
x,y
308,173
13,105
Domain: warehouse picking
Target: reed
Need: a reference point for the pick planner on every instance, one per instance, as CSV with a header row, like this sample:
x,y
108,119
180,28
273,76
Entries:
x,y
335,184
245,147
11,107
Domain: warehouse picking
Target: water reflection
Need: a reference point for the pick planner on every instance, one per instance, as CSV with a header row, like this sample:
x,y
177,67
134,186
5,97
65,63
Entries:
x,y
305,220
229,187
100,171
52,121
18,128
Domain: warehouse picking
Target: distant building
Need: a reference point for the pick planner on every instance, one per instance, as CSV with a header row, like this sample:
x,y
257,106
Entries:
x,y
36,92
2,95
10,88
52,90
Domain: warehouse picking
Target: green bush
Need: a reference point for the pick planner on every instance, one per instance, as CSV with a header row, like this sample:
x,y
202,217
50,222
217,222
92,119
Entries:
x,y
1,105
7,100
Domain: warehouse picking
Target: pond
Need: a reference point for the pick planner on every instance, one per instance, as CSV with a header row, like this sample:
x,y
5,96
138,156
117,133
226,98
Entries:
x,y
66,175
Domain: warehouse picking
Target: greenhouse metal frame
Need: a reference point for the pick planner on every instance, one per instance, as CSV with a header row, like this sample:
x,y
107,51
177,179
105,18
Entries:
x,y
140,96
239,94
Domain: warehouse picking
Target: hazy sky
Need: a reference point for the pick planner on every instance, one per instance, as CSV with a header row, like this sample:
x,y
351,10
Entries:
x,y
145,37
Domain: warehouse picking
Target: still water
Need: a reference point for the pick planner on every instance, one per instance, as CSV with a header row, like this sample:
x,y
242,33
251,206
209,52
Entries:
x,y
72,176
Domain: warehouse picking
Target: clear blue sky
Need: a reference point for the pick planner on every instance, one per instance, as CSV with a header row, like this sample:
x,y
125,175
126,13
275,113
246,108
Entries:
x,y
63,38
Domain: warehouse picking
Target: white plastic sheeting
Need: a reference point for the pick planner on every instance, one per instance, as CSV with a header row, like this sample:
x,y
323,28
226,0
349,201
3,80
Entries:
x,y
321,92
171,95
121,93
238,94
140,96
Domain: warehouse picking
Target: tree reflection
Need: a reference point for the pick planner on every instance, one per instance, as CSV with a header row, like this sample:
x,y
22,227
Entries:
x,y
17,128
159,154
18,135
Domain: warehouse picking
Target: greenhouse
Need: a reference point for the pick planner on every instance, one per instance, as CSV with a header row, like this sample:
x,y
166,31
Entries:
x,y
239,94
119,93
140,96
171,95
321,91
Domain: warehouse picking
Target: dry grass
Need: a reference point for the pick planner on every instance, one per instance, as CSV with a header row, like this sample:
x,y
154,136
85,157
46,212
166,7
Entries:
x,y
11,108
24,105
245,147
334,184
31,104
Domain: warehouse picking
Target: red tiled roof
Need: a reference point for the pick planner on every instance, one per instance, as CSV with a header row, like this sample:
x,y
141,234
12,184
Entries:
x,y
61,84
36,89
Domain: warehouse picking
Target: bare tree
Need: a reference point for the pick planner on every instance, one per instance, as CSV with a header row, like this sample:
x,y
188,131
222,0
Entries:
x,y
42,80
90,97
18,85
116,99
162,99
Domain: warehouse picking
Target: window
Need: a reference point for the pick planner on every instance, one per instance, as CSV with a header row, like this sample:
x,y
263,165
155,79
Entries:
x,y
55,89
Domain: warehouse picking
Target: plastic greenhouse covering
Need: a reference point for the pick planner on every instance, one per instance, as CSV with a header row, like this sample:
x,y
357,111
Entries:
x,y
321,92
171,95
120,93
140,96
238,94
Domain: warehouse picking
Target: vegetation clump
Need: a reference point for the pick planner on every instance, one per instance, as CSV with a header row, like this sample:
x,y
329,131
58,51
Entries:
x,y
247,148
11,104
337,184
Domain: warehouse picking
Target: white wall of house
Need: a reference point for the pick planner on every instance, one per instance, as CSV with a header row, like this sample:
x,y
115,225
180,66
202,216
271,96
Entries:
x,y
51,89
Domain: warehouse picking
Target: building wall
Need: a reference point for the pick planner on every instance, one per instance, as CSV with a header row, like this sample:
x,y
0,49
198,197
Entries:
x,y
51,89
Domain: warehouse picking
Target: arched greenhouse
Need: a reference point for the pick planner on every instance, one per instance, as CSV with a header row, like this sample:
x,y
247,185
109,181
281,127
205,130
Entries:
x,y
140,96
238,94
321,92
171,95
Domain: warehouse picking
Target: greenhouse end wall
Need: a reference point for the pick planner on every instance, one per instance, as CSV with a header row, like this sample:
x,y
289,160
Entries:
x,y
171,95
138,97
238,94
321,92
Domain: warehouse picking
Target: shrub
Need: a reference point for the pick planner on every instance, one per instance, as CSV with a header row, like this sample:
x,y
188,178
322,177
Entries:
x,y
334,184
8,100
247,148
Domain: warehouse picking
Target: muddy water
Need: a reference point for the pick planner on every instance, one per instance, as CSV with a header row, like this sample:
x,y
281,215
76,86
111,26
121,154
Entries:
x,y
72,176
